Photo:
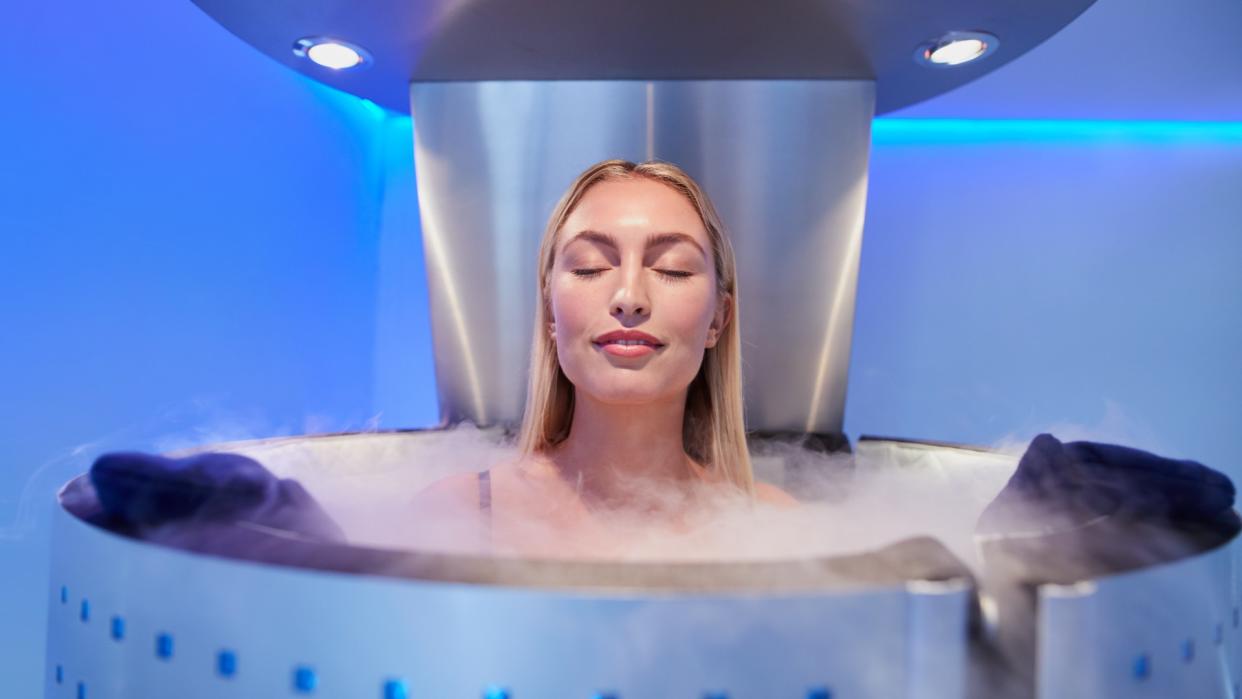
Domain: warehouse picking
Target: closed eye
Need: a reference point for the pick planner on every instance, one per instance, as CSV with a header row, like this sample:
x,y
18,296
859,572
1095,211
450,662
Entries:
x,y
675,274
670,273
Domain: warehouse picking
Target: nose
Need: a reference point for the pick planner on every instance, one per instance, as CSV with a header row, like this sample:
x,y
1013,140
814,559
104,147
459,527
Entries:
x,y
630,299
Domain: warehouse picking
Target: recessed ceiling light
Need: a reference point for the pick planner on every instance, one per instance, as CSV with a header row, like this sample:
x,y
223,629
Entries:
x,y
956,48
331,53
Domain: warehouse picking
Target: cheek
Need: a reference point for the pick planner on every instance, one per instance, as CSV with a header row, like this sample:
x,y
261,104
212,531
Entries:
x,y
691,313
570,309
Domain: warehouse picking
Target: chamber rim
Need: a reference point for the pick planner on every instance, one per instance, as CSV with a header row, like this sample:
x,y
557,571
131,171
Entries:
x,y
889,567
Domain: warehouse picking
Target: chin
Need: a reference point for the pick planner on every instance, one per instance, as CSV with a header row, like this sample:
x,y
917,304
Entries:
x,y
626,397
651,392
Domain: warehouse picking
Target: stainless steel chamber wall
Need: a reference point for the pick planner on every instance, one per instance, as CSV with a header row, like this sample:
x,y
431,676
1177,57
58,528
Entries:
x,y
132,619
784,161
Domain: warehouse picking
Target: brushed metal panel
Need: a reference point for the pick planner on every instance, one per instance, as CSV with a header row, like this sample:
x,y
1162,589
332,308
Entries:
x,y
785,161
358,630
1165,631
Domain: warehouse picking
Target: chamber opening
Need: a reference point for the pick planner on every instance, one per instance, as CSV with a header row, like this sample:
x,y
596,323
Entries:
x,y
880,515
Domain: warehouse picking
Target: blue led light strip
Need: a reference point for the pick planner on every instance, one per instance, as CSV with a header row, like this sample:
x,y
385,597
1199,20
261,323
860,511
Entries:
x,y
949,131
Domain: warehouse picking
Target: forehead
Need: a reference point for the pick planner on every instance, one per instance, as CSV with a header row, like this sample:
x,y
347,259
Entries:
x,y
632,209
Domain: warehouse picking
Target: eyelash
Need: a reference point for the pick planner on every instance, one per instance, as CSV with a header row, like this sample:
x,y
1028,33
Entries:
x,y
671,275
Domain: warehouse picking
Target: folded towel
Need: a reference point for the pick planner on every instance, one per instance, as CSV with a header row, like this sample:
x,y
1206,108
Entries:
x,y
1059,486
1079,511
138,490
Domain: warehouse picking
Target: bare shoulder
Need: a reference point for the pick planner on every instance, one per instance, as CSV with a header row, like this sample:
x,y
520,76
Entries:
x,y
460,490
445,516
772,495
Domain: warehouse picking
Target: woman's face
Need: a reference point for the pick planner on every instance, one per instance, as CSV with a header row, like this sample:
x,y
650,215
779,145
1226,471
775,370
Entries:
x,y
634,256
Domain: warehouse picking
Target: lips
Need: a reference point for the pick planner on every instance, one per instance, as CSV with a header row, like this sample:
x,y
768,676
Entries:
x,y
627,338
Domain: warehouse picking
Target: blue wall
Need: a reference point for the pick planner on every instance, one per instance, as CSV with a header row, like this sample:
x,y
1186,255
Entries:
x,y
189,252
1060,276
190,256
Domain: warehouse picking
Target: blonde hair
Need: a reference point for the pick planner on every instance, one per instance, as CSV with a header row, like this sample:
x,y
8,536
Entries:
x,y
713,431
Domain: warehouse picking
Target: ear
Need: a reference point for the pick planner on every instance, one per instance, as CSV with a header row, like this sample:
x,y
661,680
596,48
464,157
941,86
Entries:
x,y
550,320
721,319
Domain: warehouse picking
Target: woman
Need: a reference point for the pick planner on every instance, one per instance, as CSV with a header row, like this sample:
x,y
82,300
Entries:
x,y
633,419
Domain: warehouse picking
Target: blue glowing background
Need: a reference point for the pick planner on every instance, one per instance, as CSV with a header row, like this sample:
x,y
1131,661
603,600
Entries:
x,y
199,244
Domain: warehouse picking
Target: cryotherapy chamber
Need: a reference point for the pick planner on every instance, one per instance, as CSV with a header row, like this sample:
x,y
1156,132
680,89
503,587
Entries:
x,y
265,613
246,610
770,111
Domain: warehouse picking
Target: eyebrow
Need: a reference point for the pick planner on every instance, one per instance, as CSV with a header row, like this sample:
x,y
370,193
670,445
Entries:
x,y
652,240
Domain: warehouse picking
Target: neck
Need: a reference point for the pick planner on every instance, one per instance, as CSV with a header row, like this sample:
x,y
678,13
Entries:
x,y
613,450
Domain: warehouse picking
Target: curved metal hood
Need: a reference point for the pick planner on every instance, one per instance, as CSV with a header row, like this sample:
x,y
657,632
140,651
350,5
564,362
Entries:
x,y
465,40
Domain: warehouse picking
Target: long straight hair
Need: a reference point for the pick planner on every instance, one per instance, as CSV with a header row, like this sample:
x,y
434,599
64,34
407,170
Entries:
x,y
713,432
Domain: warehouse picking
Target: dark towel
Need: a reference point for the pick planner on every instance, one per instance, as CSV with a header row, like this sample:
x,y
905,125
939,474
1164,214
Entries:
x,y
1059,486
138,490
1078,511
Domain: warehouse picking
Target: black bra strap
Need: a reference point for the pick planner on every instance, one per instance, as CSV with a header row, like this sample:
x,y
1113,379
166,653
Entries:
x,y
485,493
